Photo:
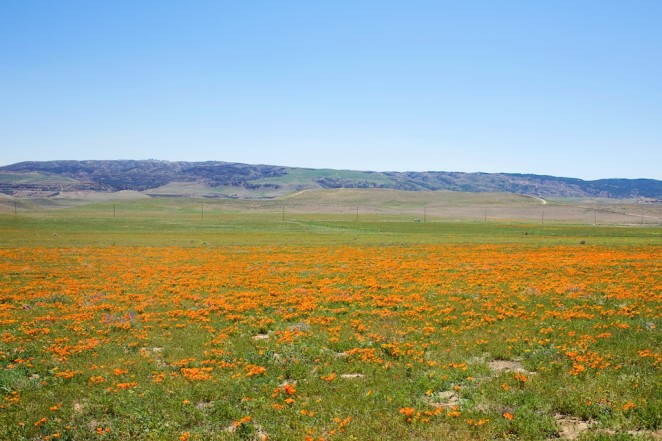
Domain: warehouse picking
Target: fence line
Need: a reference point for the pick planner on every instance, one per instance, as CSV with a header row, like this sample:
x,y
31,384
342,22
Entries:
x,y
284,210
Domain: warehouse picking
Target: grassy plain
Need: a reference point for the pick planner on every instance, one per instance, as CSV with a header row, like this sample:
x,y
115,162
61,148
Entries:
x,y
169,319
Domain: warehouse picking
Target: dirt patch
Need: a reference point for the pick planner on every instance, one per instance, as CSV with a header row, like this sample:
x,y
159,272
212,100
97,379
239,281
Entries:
x,y
261,337
148,351
259,433
204,405
657,434
352,376
499,366
571,427
156,354
77,407
445,399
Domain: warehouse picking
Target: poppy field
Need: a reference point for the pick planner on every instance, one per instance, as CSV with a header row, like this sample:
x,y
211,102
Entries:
x,y
333,338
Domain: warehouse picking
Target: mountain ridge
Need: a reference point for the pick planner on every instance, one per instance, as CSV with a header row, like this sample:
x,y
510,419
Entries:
x,y
231,179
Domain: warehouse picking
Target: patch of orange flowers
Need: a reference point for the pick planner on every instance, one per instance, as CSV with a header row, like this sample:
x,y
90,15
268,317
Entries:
x,y
197,374
378,309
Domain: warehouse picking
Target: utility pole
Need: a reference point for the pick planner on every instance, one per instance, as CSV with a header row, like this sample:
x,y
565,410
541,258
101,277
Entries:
x,y
113,210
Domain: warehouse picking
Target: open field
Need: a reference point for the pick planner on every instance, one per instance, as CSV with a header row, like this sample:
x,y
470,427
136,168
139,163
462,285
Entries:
x,y
291,319
346,204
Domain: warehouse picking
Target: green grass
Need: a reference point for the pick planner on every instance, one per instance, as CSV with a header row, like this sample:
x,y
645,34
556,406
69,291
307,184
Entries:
x,y
35,178
184,224
302,176
342,216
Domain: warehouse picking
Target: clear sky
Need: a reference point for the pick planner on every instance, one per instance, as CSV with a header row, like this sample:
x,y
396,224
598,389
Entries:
x,y
567,88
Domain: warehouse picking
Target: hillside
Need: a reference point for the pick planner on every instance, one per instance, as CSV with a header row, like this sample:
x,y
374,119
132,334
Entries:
x,y
233,180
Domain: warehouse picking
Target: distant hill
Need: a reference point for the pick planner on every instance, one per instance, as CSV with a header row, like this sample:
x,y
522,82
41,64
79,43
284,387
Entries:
x,y
234,180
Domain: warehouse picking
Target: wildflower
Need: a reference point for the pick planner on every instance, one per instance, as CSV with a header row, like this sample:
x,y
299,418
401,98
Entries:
x,y
628,406
454,412
577,369
329,378
407,411
244,420
252,370
521,377
197,374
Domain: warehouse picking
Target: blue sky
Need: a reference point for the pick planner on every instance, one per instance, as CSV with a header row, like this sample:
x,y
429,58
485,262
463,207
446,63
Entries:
x,y
566,88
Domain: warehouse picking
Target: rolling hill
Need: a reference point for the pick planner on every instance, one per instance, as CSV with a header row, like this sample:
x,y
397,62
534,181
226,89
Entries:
x,y
234,180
